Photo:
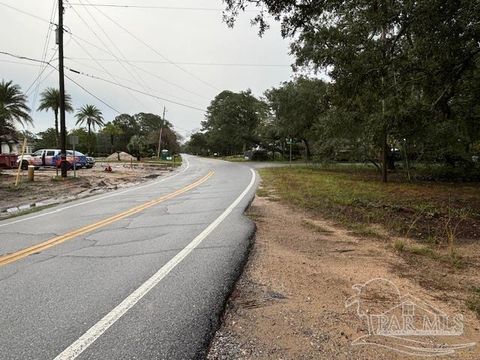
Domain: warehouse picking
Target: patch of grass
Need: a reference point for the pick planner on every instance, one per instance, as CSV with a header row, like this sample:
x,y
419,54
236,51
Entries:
x,y
423,251
234,158
263,192
473,300
315,226
366,230
354,196
454,259
177,162
399,245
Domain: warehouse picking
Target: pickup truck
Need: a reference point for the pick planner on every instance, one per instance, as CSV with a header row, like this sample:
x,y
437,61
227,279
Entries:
x,y
51,158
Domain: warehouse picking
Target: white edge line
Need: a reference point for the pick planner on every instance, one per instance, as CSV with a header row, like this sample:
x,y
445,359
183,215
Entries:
x,y
87,339
98,198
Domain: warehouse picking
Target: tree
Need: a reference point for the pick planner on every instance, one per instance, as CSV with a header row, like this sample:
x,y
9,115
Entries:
x,y
198,144
397,66
296,106
50,100
13,108
83,139
136,145
92,116
112,131
150,125
231,121
129,126
46,139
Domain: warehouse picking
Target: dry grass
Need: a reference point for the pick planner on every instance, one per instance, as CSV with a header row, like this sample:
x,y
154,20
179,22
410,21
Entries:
x,y
438,213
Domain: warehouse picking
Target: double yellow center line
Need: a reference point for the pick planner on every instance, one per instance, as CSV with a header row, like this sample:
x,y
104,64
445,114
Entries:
x,y
9,258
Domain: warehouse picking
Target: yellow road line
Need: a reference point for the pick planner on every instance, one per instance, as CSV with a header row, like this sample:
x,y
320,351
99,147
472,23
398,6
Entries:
x,y
9,258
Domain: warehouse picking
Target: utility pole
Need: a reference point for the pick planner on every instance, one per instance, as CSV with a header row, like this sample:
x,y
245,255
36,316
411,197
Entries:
x,y
63,137
160,136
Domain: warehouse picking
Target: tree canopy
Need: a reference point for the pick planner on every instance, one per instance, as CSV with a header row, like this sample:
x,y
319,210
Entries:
x,y
13,108
50,100
403,73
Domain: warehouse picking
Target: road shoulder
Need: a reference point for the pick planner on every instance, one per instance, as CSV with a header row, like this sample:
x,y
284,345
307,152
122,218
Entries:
x,y
290,301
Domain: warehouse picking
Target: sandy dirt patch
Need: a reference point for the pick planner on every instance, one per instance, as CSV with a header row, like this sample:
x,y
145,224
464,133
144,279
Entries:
x,y
290,302
47,190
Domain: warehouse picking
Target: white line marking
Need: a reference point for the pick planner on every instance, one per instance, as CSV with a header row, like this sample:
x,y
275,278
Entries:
x,y
99,198
87,339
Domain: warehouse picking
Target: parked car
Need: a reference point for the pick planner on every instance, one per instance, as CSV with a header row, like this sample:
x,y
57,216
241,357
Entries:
x,y
80,159
90,162
51,158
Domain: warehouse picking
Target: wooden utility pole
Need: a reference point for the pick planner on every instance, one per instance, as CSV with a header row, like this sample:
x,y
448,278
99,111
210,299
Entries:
x,y
63,137
160,136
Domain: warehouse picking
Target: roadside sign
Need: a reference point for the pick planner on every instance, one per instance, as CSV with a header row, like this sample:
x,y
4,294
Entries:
x,y
73,139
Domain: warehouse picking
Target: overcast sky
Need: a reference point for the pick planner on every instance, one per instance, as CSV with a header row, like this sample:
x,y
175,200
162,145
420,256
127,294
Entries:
x,y
176,38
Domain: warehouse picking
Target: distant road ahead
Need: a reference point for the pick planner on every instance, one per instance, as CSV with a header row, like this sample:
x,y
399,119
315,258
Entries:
x,y
133,274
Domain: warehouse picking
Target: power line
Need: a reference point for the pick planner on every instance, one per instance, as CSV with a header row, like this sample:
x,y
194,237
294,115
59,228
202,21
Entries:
x,y
91,94
17,62
151,7
25,58
44,54
26,13
194,63
156,51
136,90
55,68
78,63
131,63
107,50
41,73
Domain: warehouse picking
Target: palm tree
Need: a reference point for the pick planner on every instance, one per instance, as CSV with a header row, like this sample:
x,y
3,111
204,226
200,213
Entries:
x,y
50,100
92,116
13,107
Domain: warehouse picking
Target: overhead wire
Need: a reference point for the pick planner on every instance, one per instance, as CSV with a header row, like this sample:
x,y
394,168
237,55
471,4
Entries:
x,y
130,81
133,89
151,7
139,68
156,51
195,63
108,51
25,12
105,80
55,68
133,73
43,67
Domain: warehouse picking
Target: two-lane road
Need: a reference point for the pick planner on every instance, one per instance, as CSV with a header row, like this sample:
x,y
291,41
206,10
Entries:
x,y
135,274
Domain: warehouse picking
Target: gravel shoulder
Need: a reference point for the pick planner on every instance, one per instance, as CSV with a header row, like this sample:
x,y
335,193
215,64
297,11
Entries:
x,y
290,302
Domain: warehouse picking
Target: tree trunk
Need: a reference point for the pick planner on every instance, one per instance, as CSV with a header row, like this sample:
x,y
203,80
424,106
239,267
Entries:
x,y
89,139
307,149
384,157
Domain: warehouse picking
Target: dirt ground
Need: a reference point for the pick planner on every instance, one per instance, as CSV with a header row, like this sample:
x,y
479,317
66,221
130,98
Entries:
x,y
47,189
291,301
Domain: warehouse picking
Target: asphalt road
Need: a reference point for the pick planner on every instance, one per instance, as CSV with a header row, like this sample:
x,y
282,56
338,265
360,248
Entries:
x,y
141,273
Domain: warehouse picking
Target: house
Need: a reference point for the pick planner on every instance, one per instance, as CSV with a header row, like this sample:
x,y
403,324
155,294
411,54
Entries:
x,y
10,145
